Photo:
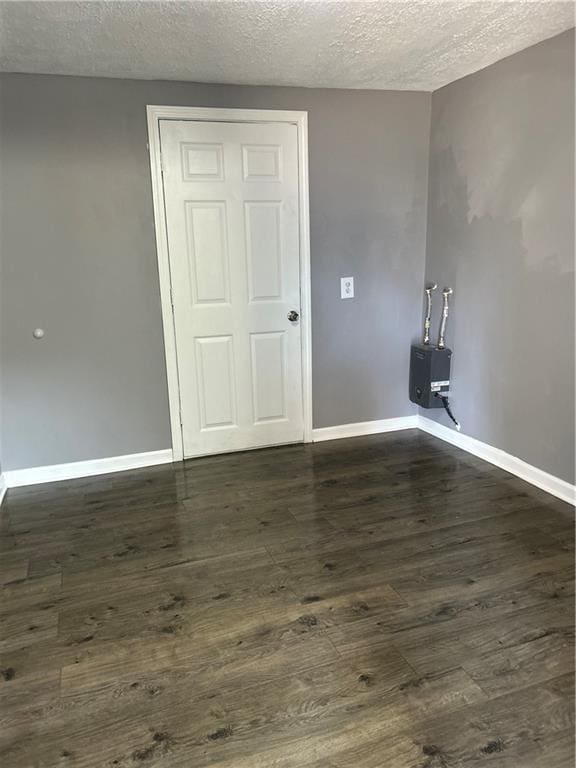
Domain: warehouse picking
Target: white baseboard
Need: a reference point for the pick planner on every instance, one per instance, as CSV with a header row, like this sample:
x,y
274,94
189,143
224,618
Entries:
x,y
547,482
18,477
364,428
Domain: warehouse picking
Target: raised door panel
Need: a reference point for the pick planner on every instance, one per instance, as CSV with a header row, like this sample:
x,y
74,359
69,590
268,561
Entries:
x,y
201,162
264,249
262,162
208,262
216,381
268,376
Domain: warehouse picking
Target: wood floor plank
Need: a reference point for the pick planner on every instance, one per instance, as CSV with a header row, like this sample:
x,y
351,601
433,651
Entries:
x,y
13,566
526,664
431,647
508,730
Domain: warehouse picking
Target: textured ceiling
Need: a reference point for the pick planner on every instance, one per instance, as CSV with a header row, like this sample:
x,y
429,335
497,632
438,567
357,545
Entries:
x,y
410,45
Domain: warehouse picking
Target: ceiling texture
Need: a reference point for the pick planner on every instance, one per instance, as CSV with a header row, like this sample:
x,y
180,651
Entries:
x,y
412,45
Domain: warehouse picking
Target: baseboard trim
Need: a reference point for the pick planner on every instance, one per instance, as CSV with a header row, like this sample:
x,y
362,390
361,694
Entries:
x,y
543,480
537,477
364,428
35,475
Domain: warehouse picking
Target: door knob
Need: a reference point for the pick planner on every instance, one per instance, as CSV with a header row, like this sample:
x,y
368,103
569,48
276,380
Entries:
x,y
293,315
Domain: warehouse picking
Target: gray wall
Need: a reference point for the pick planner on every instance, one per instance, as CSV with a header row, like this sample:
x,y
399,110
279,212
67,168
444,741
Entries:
x,y
501,232
79,258
78,255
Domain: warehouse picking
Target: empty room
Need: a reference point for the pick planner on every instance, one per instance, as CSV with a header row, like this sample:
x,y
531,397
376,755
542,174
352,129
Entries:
x,y
287,384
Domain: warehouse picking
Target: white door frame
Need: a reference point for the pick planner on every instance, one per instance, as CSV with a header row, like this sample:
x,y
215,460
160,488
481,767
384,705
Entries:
x,y
300,120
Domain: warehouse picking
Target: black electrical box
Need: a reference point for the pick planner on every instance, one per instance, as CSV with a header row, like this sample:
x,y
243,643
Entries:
x,y
429,374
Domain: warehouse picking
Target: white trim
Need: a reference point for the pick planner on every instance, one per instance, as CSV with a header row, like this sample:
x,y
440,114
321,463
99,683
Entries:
x,y
300,120
17,477
364,428
165,283
305,274
547,482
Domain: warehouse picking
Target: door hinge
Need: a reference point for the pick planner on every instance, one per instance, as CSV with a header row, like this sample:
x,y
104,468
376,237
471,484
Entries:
x,y
162,168
171,297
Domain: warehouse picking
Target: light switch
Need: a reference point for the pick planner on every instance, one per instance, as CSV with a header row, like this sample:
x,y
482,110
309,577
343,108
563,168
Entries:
x,y
346,287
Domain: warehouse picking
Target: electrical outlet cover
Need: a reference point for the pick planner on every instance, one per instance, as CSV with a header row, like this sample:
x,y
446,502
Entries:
x,y
346,287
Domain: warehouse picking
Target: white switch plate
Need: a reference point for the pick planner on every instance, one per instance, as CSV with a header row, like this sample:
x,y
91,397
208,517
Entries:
x,y
346,287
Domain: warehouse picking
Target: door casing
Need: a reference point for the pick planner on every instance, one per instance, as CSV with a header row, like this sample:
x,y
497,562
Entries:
x,y
300,120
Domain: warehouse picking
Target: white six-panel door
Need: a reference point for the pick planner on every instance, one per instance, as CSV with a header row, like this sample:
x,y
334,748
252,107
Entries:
x,y
231,206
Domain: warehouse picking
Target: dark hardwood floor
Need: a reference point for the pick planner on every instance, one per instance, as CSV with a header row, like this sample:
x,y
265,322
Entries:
x,y
380,602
